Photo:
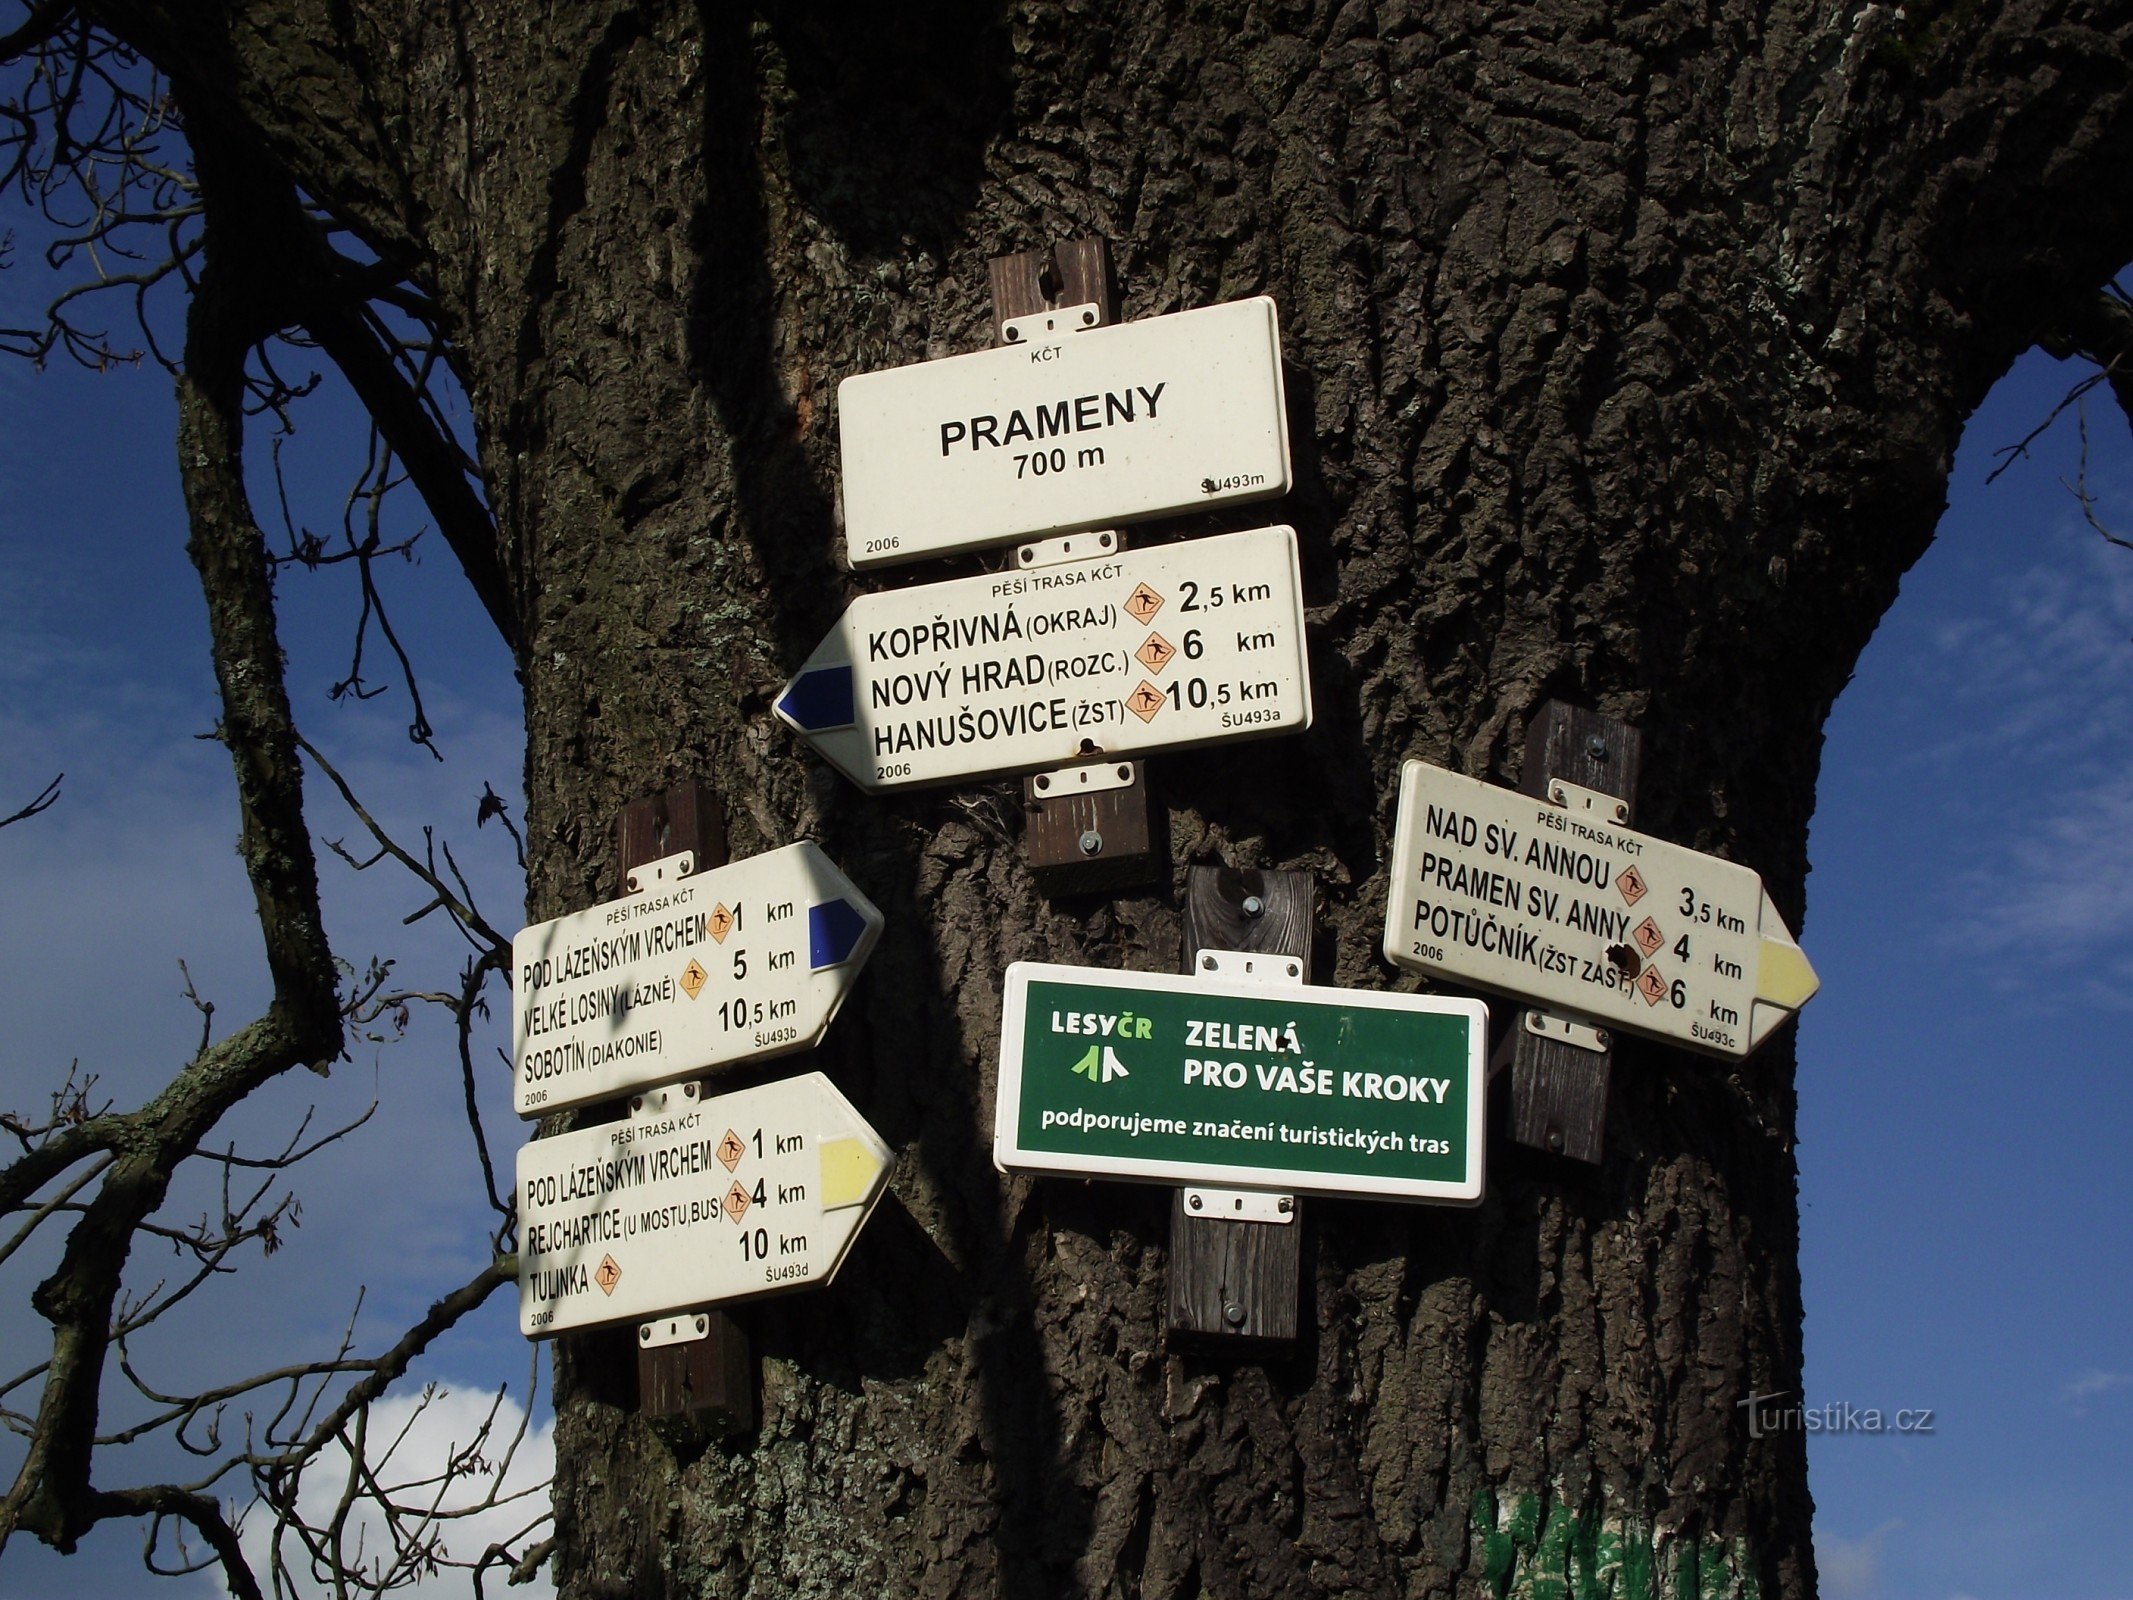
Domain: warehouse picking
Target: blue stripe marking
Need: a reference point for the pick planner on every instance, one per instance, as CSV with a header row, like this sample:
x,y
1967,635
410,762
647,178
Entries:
x,y
819,699
834,930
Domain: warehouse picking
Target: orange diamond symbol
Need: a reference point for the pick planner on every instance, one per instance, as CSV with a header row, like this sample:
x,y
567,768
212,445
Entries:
x,y
1145,701
1648,936
1652,986
1632,885
730,1150
693,979
736,1202
719,923
607,1274
1143,603
1155,652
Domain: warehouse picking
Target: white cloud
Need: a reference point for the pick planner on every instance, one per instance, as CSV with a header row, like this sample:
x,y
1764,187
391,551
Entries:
x,y
1850,1569
2091,1385
412,1440
2032,691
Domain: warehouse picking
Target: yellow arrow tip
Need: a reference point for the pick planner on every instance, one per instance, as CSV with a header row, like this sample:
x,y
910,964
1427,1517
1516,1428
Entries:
x,y
1783,976
850,1172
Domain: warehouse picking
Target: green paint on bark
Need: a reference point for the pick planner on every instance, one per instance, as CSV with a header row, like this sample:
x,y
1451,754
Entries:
x,y
1528,1547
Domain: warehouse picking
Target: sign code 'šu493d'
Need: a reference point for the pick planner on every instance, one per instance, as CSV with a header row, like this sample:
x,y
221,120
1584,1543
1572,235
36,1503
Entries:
x,y
692,1202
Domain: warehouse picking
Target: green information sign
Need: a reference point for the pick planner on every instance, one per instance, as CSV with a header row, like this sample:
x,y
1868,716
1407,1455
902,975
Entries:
x,y
1210,1081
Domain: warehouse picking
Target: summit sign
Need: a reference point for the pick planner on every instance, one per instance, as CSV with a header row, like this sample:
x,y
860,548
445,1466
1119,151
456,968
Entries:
x,y
1064,430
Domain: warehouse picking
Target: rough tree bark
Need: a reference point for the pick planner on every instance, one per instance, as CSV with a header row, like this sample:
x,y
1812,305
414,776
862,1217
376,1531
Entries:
x,y
1627,346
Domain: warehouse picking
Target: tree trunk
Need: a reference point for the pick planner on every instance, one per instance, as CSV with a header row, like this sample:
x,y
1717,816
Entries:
x,y
1627,347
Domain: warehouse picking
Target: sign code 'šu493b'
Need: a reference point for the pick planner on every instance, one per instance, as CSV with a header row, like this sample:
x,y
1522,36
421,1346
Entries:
x,y
691,973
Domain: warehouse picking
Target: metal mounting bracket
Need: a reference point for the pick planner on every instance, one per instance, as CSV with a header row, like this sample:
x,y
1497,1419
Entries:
x,y
657,1102
1041,324
1057,552
1590,802
1091,777
1566,1030
682,1328
1249,966
1241,1205
667,869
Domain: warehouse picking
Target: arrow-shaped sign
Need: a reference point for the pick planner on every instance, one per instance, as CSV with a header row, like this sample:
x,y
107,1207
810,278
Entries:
x,y
1159,649
1555,902
692,1203
691,972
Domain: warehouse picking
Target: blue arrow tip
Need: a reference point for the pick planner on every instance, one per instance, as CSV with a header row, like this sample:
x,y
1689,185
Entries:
x,y
834,930
818,699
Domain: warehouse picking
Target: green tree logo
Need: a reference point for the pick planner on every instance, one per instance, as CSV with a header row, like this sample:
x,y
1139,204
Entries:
x,y
1101,1065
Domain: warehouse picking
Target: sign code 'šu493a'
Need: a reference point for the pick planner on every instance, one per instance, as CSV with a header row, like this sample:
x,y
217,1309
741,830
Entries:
x,y
1158,649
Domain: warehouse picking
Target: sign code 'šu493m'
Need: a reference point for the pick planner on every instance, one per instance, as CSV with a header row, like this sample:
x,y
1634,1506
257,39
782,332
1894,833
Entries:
x,y
1066,431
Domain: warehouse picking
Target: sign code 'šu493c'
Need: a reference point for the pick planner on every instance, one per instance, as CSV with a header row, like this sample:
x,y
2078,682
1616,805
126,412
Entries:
x,y
1530,898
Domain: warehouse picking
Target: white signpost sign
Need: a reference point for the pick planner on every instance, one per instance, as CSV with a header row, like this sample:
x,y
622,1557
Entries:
x,y
1557,904
1159,649
1064,430
691,1203
693,971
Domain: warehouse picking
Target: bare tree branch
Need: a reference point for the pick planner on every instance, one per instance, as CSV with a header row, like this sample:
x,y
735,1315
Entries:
x,y
44,801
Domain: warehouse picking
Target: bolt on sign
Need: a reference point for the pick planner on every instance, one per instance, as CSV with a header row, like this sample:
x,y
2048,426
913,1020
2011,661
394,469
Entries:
x,y
1159,649
693,1202
1560,906
695,970
1296,1088
1063,431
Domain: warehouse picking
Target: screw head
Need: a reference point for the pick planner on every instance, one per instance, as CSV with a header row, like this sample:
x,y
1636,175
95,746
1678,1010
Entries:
x,y
1091,842
1253,905
1596,747
701,1324
1555,1140
1601,1037
1285,1205
1233,1313
1193,1201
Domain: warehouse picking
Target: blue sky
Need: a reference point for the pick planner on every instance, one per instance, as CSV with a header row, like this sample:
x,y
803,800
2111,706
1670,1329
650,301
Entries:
x,y
1967,1216
1963,1084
